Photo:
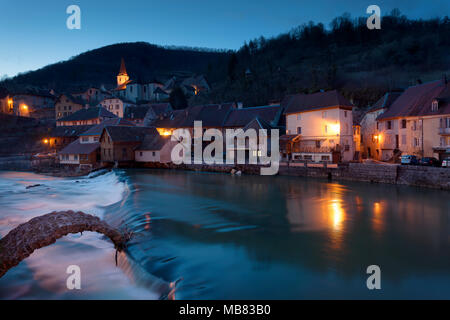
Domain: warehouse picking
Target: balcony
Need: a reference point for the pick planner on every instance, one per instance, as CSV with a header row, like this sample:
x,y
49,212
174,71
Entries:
x,y
444,131
310,149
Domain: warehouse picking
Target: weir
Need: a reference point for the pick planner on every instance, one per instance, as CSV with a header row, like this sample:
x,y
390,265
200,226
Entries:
x,y
44,230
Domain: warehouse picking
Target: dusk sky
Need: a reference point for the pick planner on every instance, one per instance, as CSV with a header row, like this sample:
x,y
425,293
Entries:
x,y
34,33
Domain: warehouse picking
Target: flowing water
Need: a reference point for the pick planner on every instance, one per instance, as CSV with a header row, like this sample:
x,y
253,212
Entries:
x,y
215,236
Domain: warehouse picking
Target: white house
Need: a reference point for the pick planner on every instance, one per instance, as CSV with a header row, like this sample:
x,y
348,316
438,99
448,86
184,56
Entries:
x,y
320,126
116,106
155,148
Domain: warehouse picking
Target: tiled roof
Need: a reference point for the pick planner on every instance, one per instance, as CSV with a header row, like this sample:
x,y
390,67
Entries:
x,y
258,124
160,108
241,117
69,131
137,112
417,101
174,120
211,115
129,134
89,114
73,99
153,142
98,129
80,148
305,102
160,91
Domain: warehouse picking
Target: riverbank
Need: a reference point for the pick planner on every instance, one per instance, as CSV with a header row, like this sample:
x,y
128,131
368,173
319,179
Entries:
x,y
429,177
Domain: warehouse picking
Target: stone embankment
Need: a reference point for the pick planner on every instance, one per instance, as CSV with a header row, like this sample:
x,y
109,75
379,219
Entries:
x,y
42,231
367,172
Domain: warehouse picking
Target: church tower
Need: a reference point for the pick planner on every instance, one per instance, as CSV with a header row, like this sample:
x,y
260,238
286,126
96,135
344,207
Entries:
x,y
122,77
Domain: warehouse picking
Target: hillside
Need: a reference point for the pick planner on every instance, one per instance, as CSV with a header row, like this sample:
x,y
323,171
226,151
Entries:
x,y
144,62
362,63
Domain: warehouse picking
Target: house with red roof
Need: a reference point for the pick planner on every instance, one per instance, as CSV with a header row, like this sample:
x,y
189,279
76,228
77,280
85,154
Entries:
x,y
417,123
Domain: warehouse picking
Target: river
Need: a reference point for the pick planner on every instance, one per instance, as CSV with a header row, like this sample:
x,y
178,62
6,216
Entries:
x,y
216,236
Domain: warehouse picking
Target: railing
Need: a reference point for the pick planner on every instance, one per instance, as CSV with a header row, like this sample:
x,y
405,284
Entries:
x,y
304,149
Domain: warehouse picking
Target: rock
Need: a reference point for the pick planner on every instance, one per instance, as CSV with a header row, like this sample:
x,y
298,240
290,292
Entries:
x,y
33,186
42,231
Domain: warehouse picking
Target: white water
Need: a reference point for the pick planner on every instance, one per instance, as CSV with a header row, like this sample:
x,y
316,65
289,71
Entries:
x,y
43,274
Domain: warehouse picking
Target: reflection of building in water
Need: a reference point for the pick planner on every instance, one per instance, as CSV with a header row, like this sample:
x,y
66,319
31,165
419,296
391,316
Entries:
x,y
321,211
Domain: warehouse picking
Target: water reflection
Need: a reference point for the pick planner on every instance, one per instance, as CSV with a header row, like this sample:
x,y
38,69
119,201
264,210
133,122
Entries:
x,y
213,236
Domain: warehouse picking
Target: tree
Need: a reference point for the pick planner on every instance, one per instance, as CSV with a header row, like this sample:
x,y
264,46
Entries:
x,y
178,99
232,64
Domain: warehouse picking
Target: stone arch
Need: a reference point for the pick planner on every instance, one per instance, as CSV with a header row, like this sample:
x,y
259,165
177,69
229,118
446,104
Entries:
x,y
42,231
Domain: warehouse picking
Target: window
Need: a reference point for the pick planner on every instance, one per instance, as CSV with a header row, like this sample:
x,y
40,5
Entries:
x,y
416,142
389,125
96,139
325,158
154,153
307,157
345,114
318,144
378,125
435,105
141,154
85,139
324,114
75,157
403,124
414,126
117,107
403,139
299,116
299,130
347,147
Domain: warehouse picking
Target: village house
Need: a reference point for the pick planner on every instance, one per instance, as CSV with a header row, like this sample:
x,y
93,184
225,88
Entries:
x,y
6,101
369,130
116,105
93,95
85,151
119,143
148,90
417,123
67,104
60,137
90,116
155,149
257,118
319,127
37,104
80,154
144,114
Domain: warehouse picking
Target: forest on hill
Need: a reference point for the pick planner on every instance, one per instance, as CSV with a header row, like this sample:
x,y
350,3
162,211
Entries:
x,y
346,55
144,62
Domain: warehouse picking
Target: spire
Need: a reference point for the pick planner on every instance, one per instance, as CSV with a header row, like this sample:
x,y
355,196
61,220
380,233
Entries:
x,y
123,70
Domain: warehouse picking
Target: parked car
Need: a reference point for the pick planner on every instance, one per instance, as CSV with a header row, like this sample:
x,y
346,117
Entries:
x,y
430,162
446,163
409,160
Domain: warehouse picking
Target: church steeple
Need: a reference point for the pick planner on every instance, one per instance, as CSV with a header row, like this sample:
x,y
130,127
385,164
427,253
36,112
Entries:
x,y
122,77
